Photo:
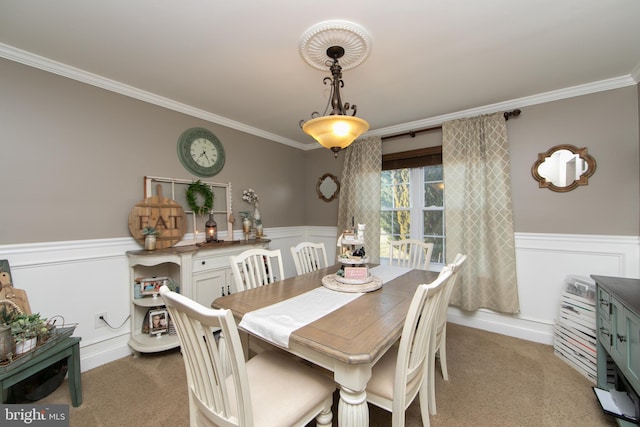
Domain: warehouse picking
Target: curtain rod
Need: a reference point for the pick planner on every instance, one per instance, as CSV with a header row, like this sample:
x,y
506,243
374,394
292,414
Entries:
x,y
413,133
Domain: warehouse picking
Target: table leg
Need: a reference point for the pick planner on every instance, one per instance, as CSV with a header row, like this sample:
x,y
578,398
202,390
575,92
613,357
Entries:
x,y
352,408
74,376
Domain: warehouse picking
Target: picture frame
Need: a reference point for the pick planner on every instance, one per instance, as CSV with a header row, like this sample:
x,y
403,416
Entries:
x,y
151,286
356,273
158,321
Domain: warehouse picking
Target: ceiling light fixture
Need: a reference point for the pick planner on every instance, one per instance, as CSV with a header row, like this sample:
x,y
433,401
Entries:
x,y
337,130
322,46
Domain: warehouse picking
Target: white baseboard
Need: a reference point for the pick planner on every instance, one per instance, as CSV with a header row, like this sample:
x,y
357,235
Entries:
x,y
487,320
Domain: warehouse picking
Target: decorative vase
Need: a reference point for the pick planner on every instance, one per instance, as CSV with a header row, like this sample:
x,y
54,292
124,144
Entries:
x,y
256,215
26,345
259,231
246,225
150,242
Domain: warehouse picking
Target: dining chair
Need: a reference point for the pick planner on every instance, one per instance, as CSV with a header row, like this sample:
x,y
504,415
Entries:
x,y
410,253
440,343
270,390
255,267
399,376
309,256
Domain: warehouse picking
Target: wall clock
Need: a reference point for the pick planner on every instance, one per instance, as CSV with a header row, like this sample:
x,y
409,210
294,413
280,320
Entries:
x,y
200,152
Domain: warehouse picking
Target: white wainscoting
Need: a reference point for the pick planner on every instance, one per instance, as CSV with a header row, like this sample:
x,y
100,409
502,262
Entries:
x,y
79,279
543,262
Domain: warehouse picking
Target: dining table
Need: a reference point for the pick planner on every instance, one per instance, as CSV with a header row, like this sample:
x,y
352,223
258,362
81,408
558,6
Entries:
x,y
347,340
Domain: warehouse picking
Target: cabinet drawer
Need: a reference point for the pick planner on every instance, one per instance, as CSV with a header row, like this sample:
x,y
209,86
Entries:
x,y
604,302
209,263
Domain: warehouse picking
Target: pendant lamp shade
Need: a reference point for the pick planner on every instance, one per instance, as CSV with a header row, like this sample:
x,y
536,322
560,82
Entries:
x,y
335,132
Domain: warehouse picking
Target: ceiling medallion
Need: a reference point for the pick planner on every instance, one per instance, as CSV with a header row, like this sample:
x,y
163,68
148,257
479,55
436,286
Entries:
x,y
355,40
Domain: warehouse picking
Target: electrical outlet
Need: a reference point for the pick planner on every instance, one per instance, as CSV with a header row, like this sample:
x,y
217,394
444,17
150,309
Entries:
x,y
98,322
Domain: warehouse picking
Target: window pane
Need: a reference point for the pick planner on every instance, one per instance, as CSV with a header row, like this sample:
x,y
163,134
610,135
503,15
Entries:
x,y
433,173
402,224
395,189
401,196
400,176
385,222
433,194
438,248
386,197
396,224
433,223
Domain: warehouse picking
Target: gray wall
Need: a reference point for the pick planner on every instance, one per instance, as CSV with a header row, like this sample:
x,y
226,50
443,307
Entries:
x,y
74,156
607,124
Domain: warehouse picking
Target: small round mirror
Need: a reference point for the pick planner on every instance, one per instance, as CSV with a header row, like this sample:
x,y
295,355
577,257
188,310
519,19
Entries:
x,y
563,168
328,187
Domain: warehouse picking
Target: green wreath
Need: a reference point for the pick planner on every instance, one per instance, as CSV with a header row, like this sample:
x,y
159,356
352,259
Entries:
x,y
205,191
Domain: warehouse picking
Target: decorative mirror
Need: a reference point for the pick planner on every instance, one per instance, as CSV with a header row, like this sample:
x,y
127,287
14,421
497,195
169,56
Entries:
x,y
563,168
328,187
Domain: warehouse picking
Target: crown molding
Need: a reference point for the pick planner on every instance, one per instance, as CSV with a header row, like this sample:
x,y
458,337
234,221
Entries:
x,y
570,92
45,64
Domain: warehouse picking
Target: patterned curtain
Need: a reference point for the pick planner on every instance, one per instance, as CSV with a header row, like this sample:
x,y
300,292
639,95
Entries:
x,y
360,192
478,214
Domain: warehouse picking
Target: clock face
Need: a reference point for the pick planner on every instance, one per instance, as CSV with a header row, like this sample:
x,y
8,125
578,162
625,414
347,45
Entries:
x,y
200,152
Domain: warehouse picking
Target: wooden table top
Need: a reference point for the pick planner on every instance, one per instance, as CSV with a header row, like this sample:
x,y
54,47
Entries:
x,y
359,332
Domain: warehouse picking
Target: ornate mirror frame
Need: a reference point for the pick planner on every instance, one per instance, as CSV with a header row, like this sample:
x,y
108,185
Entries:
x,y
324,187
543,182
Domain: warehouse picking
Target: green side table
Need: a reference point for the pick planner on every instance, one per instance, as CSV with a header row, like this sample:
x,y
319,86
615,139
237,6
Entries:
x,y
67,348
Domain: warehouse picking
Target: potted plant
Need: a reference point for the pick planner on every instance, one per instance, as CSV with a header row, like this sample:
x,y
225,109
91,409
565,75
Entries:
x,y
8,310
27,329
246,222
150,234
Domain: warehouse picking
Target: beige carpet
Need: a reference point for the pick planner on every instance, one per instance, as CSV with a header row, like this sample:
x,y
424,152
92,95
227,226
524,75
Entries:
x,y
493,381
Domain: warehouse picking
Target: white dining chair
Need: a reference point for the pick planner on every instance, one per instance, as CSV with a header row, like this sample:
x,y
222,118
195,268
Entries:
x,y
309,256
399,376
270,390
256,267
410,253
440,343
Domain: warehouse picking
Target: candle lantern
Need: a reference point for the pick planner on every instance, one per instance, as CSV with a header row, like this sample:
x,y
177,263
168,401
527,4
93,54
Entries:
x,y
211,229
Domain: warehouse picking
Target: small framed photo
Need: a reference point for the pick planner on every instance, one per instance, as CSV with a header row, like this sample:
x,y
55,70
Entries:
x,y
152,286
158,321
356,273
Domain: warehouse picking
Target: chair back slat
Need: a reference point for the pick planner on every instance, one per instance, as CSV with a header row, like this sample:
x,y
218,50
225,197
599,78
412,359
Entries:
x,y
309,256
411,253
256,267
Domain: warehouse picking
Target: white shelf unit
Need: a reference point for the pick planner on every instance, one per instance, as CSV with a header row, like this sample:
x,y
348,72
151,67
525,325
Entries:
x,y
203,274
166,265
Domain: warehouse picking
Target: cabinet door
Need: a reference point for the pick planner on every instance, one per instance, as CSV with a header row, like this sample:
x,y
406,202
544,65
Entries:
x,y
618,332
633,345
209,285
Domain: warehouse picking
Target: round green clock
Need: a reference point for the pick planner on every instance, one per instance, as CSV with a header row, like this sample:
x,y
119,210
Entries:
x,y
200,152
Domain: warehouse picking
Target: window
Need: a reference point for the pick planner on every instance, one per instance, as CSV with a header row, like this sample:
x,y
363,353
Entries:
x,y
412,207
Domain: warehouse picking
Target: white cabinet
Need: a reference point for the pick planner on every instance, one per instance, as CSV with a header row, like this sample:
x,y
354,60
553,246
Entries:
x,y
203,273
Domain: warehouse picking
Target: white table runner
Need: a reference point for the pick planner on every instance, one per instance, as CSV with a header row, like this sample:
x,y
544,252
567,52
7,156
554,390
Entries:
x,y
276,322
